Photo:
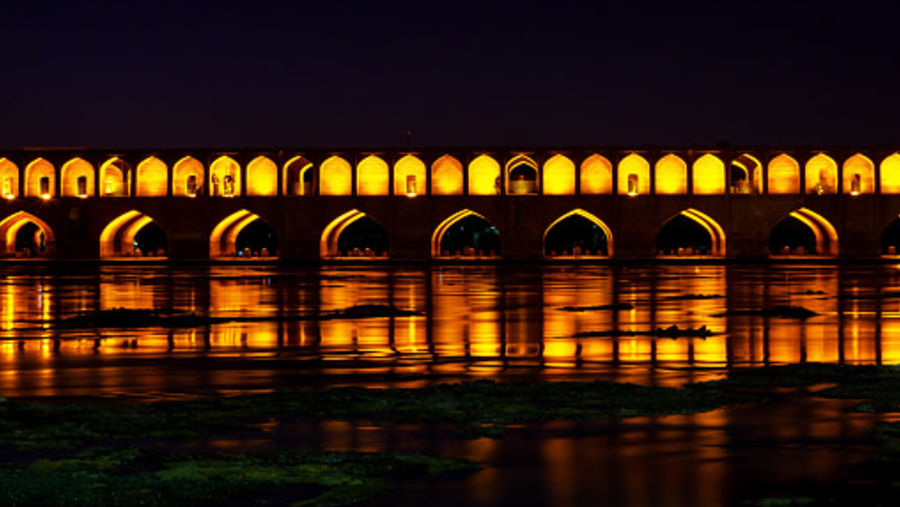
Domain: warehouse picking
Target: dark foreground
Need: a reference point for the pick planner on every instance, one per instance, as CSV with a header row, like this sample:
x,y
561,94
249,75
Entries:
x,y
248,449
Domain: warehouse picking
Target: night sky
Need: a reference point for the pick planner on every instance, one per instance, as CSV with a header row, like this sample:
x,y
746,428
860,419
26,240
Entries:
x,y
156,74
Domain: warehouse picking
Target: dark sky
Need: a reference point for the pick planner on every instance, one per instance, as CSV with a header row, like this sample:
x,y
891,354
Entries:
x,y
188,74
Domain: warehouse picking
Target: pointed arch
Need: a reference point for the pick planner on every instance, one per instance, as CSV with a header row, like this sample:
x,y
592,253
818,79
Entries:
x,y
708,175
329,244
152,178
521,175
589,252
336,177
484,176
446,176
559,175
634,175
409,176
115,174
40,179
889,174
821,175
297,177
824,235
671,175
224,177
858,175
746,175
77,178
118,237
784,175
9,179
372,176
596,175
188,177
262,177
437,237
224,237
684,246
42,242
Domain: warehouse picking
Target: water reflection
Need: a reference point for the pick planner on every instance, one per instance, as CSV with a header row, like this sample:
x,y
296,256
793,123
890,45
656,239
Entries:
x,y
473,321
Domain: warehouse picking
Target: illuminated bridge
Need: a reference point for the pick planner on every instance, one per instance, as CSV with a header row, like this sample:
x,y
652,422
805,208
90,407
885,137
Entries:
x,y
460,203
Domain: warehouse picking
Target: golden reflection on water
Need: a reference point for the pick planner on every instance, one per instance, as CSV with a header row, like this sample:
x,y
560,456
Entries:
x,y
472,320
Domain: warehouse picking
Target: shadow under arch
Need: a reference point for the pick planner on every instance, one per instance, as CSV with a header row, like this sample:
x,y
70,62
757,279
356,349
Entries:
x,y
370,243
488,237
120,238
580,239
686,234
42,240
803,233
224,238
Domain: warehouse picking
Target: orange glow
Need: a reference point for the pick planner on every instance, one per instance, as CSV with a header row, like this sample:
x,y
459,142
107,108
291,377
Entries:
x,y
596,175
117,238
591,218
77,178
438,235
715,231
336,177
328,244
671,175
559,176
753,173
821,175
708,174
484,176
10,227
859,175
262,177
112,178
446,176
37,171
225,177
152,178
9,179
295,177
784,175
409,176
372,176
189,176
223,238
825,233
521,185
890,174
636,169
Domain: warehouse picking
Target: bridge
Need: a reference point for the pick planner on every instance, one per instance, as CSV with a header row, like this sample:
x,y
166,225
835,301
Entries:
x,y
450,204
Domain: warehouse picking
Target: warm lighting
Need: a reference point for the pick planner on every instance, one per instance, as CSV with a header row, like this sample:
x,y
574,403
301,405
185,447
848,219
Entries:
x,y
521,175
372,176
152,178
335,177
262,177
559,176
446,176
43,239
187,175
409,171
859,175
821,175
77,177
484,176
224,177
45,196
596,175
39,178
634,175
671,175
708,175
784,175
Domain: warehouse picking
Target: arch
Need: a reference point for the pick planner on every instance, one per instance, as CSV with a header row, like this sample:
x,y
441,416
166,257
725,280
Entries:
x,y
858,175
115,174
120,237
521,175
708,175
821,175
42,241
40,179
336,177
438,236
600,247
330,245
152,178
224,238
372,176
262,177
746,175
484,176
409,176
297,178
596,175
679,235
559,176
671,175
188,177
9,179
77,178
224,177
784,175
634,175
446,176
889,174
803,232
